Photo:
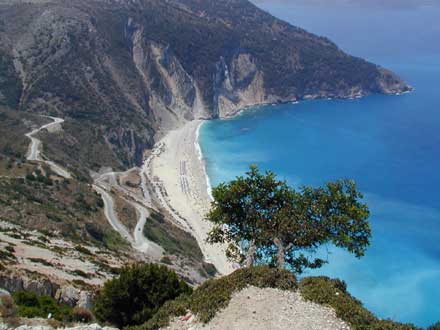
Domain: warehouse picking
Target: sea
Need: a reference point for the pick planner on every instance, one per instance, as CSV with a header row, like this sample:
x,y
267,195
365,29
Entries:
x,y
390,145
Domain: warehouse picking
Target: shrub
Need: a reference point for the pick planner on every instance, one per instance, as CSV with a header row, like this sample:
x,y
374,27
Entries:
x,y
137,293
83,250
166,260
215,294
7,307
30,305
435,326
82,315
325,291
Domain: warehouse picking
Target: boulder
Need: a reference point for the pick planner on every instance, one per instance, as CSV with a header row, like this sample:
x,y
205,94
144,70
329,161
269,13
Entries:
x,y
4,292
68,295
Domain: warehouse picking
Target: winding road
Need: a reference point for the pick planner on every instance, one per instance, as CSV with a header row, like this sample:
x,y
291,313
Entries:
x,y
110,214
137,240
34,153
102,184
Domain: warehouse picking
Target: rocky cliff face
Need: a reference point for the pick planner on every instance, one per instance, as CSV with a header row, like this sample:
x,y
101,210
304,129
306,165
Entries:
x,y
128,71
39,285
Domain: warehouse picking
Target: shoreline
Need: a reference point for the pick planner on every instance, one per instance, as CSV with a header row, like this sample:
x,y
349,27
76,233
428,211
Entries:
x,y
202,160
178,176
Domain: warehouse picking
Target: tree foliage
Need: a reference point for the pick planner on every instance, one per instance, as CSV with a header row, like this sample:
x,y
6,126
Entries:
x,y
265,221
136,295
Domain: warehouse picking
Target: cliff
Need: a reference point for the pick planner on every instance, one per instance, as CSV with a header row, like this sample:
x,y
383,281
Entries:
x,y
124,72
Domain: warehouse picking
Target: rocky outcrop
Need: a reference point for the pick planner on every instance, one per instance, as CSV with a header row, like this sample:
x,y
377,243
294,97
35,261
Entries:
x,y
174,94
238,84
41,286
74,297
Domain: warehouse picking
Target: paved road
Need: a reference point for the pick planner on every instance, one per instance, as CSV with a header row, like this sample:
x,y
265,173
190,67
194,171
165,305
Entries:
x,y
142,243
138,241
109,211
34,153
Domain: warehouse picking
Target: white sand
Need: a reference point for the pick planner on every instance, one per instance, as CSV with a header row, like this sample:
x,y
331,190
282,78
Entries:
x,y
179,180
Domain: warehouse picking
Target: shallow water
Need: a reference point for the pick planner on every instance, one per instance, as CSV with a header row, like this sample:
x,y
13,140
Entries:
x,y
389,144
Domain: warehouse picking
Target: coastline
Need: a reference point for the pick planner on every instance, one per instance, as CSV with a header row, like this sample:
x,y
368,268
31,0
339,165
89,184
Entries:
x,y
202,162
178,175
179,179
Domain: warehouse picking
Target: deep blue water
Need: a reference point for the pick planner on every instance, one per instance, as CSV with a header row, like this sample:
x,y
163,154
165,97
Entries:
x,y
389,144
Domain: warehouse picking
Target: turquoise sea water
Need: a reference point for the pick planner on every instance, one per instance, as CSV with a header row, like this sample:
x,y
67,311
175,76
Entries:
x,y
389,144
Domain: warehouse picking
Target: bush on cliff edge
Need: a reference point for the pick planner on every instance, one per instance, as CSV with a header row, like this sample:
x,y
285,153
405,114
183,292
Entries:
x,y
215,294
137,293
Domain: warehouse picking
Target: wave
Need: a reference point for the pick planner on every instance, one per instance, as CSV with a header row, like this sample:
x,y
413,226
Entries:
x,y
202,162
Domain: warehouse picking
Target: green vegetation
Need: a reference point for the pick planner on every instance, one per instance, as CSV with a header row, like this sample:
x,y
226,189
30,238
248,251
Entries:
x,y
41,261
7,255
79,148
215,294
31,305
104,96
174,240
434,326
13,142
83,250
10,83
69,207
333,293
79,272
265,221
137,293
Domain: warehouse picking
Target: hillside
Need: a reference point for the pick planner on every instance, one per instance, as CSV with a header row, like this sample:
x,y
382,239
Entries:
x,y
116,76
55,237
265,298
124,72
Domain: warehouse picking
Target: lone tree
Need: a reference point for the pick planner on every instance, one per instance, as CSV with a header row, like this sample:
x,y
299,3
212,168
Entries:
x,y
264,221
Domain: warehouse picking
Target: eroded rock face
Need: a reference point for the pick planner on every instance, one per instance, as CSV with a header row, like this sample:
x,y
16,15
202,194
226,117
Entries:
x,y
10,283
133,70
68,295
39,286
85,300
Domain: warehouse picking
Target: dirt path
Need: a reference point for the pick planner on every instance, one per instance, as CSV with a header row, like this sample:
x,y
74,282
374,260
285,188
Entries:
x,y
264,309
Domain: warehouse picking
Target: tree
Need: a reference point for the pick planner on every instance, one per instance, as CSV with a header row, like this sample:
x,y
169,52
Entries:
x,y
137,293
264,221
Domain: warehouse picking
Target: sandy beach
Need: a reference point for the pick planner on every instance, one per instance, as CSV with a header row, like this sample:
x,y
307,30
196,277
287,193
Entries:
x,y
178,176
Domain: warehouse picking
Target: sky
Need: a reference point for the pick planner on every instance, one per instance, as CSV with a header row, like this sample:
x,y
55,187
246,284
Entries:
x,y
392,4
382,31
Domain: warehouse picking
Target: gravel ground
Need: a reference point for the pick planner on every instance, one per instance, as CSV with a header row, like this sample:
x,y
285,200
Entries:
x,y
268,309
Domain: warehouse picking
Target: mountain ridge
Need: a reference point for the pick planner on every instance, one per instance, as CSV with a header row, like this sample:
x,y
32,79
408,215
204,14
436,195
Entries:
x,y
132,70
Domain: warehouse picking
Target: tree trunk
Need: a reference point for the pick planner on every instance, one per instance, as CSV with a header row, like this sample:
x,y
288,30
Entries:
x,y
281,259
250,258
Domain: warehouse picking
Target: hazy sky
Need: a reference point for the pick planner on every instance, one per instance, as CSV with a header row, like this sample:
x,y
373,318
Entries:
x,y
393,4
379,30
